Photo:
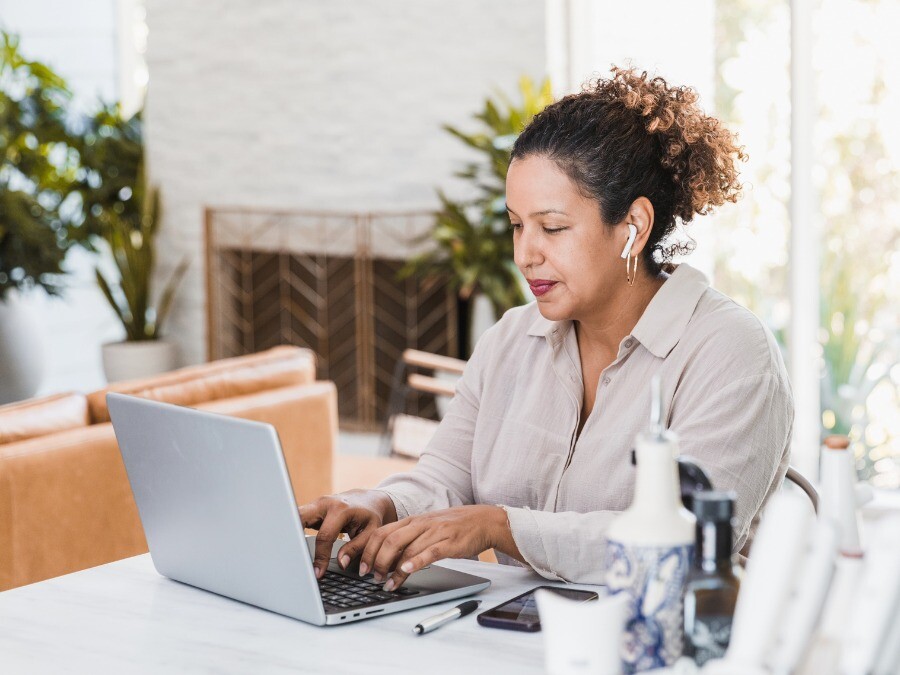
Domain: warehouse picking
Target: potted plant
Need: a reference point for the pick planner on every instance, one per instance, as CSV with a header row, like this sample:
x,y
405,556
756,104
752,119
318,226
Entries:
x,y
130,246
37,171
128,292
118,206
473,246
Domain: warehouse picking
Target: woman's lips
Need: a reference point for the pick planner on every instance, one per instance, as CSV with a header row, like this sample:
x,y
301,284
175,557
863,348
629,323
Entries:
x,y
541,286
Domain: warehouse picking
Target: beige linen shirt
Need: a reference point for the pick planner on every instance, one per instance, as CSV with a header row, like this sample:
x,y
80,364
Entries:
x,y
509,435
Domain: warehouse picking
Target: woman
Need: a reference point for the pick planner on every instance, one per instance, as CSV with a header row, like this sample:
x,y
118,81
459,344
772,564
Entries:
x,y
533,455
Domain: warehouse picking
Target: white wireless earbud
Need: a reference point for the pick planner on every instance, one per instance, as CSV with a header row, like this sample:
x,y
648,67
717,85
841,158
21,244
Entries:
x,y
632,233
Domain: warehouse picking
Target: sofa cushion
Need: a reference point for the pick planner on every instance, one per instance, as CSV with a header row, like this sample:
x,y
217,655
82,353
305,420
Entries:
x,y
277,367
41,416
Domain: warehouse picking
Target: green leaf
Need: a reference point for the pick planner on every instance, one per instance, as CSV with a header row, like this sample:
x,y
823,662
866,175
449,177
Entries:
x,y
39,156
169,293
106,288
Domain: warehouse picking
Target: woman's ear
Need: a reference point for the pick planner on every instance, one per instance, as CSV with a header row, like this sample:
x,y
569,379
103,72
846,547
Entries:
x,y
641,216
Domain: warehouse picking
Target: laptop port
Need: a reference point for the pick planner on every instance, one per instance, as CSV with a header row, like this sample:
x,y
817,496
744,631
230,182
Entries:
x,y
355,615
375,611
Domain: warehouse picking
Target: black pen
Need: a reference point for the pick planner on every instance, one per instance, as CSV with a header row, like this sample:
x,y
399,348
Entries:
x,y
439,620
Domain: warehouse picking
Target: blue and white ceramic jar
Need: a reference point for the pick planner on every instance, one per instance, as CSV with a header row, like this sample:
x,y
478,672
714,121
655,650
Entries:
x,y
654,579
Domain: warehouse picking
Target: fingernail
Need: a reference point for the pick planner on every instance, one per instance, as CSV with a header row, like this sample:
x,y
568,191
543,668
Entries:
x,y
363,569
319,571
345,560
406,567
378,578
389,586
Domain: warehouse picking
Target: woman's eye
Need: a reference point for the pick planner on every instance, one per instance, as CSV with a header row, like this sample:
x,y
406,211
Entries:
x,y
548,230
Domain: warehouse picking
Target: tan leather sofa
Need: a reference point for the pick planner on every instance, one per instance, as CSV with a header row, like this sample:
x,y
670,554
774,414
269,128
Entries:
x,y
65,501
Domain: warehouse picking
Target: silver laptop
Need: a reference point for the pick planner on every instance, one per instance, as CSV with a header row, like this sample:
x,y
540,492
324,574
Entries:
x,y
218,511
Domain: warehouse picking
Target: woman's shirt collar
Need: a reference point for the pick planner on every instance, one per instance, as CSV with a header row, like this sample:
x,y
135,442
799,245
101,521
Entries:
x,y
663,322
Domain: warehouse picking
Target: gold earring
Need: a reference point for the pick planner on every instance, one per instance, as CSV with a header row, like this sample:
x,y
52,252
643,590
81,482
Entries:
x,y
631,275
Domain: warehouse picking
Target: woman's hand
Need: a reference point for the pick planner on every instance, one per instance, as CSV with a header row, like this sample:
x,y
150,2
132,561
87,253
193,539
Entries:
x,y
359,513
403,547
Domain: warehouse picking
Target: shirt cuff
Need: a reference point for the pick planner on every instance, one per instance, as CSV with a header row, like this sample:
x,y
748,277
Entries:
x,y
526,534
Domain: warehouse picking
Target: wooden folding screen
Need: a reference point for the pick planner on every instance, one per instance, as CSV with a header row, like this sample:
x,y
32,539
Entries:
x,y
327,281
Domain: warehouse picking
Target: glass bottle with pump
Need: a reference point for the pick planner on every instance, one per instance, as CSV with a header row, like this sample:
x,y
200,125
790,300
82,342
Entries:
x,y
712,587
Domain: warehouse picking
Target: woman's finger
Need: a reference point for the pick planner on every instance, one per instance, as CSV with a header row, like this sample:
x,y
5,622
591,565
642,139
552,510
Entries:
x,y
421,557
330,529
311,514
394,543
406,566
376,539
352,549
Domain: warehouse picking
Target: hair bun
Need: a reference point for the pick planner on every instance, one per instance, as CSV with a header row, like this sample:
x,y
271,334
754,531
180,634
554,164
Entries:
x,y
699,153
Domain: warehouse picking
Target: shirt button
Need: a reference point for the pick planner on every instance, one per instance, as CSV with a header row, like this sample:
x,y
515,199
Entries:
x,y
628,344
605,380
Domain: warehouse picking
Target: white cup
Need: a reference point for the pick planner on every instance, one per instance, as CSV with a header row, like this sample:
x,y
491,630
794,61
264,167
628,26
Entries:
x,y
582,638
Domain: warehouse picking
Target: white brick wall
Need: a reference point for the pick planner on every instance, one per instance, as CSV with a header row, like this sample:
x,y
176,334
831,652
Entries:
x,y
315,105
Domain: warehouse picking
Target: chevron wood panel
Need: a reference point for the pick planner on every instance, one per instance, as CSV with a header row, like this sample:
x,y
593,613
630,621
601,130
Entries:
x,y
340,347
303,298
408,313
328,282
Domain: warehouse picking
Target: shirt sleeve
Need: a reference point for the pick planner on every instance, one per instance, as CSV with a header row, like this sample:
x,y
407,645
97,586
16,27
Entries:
x,y
739,433
565,546
442,478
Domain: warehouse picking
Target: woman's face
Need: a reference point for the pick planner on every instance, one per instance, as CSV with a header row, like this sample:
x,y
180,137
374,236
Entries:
x,y
569,257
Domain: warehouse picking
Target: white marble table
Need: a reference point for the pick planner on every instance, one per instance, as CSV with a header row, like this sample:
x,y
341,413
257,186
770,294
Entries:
x,y
125,618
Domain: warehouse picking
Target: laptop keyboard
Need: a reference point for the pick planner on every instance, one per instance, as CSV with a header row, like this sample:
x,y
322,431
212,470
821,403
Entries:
x,y
340,592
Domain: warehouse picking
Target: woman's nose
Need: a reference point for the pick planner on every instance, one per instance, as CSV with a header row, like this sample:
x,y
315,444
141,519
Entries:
x,y
526,249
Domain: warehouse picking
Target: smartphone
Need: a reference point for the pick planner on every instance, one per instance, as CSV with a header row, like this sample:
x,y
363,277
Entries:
x,y
521,612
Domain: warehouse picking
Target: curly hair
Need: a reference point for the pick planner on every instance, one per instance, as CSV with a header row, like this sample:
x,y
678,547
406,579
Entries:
x,y
630,136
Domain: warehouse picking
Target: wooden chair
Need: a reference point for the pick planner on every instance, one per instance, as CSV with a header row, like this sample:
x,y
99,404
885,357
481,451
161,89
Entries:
x,y
801,482
407,435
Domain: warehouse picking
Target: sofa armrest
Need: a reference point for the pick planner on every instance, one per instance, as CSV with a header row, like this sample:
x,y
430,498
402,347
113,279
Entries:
x,y
65,505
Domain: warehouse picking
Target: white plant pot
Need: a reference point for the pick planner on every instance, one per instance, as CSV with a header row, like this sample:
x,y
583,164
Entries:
x,y
134,360
21,350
